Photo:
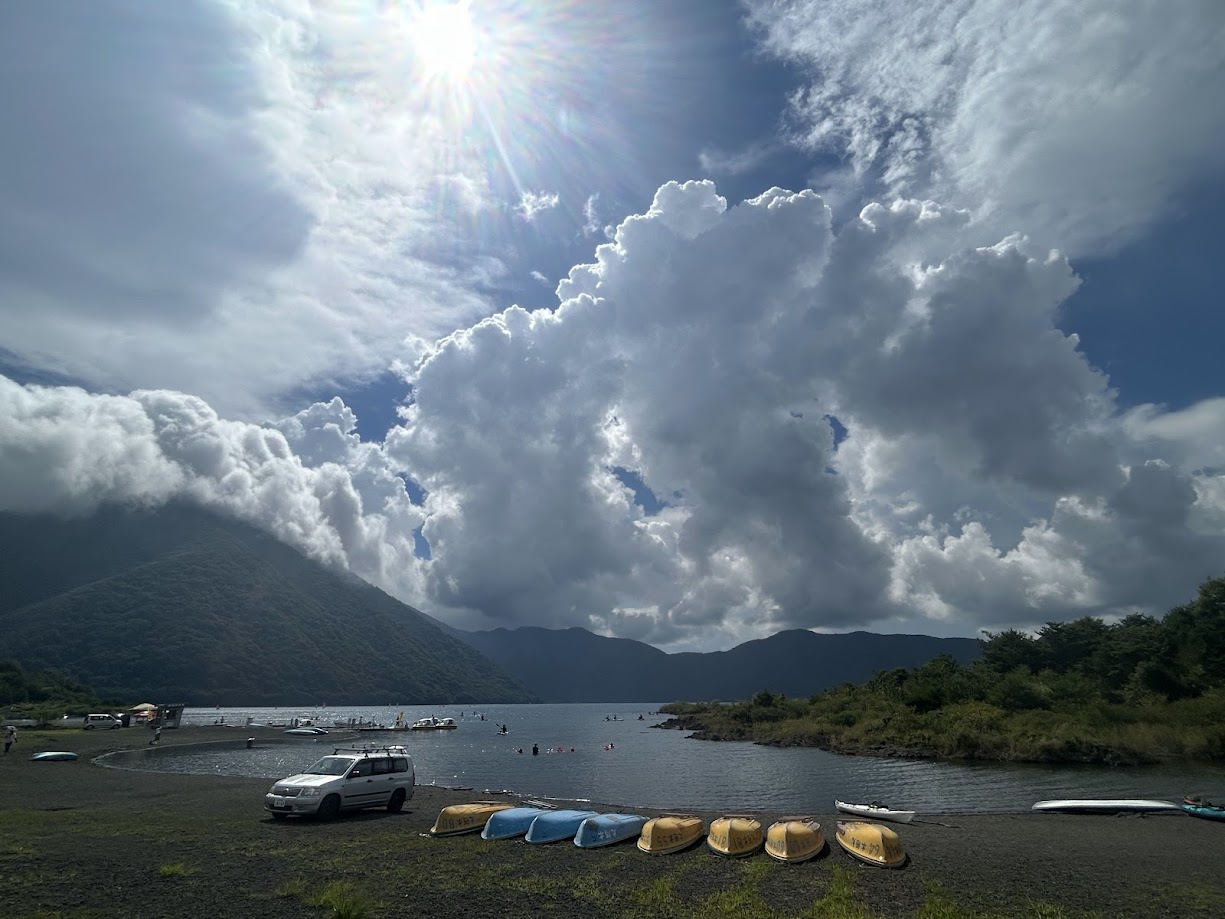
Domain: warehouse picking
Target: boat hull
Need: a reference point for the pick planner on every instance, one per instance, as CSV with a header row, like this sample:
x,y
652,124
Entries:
x,y
670,833
1106,806
872,812
465,818
871,843
55,756
735,836
554,826
508,824
794,841
608,829
1207,811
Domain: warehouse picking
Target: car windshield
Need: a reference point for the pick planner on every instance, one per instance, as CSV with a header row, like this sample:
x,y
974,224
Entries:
x,y
331,765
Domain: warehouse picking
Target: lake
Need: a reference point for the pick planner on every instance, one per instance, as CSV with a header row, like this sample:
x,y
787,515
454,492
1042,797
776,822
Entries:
x,y
650,768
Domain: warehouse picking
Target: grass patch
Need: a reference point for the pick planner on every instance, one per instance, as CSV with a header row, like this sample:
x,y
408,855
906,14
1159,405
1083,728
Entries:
x,y
294,889
174,870
343,900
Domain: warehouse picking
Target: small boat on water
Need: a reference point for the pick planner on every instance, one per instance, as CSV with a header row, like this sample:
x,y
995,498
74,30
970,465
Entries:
x,y
434,724
512,822
795,839
670,833
1107,806
606,829
465,818
306,732
875,811
735,836
871,843
54,756
552,826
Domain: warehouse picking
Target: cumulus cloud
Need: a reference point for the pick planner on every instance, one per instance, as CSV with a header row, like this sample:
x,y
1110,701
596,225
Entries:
x,y
1079,121
978,473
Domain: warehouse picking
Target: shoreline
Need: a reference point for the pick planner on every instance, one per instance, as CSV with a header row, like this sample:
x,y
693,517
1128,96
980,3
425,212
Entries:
x,y
82,836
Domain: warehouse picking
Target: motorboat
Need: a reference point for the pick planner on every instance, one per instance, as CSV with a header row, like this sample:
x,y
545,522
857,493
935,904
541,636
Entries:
x,y
735,836
1107,806
875,811
465,818
512,822
553,826
434,724
795,839
871,843
306,732
606,829
670,833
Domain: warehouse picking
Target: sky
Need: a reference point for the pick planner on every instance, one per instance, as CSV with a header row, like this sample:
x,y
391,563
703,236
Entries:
x,y
684,321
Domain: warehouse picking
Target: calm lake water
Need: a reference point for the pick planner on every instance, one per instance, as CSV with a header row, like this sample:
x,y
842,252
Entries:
x,y
655,769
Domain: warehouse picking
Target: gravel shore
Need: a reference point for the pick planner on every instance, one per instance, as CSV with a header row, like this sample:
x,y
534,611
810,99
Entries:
x,y
82,840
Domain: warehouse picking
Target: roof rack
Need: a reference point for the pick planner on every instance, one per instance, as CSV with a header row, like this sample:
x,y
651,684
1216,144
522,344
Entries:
x,y
393,750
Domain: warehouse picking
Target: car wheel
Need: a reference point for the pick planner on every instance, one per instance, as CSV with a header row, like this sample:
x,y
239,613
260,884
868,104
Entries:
x,y
396,804
330,808
89,727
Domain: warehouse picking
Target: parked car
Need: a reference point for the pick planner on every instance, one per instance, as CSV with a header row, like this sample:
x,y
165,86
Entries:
x,y
101,721
348,779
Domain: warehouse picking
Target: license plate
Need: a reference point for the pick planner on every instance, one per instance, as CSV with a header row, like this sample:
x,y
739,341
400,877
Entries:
x,y
282,804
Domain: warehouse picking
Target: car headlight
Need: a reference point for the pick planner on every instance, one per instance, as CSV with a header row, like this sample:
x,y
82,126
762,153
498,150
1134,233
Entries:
x,y
311,792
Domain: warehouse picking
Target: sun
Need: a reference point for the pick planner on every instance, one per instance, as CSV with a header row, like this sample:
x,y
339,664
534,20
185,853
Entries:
x,y
444,39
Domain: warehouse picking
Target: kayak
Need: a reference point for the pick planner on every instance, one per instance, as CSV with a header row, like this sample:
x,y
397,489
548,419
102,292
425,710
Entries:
x,y
53,756
1199,808
1106,806
875,811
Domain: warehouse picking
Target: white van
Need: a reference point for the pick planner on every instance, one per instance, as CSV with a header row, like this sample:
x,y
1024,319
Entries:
x,y
101,721
350,779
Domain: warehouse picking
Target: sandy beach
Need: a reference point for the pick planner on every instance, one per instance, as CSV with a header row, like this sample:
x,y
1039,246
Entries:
x,y
80,839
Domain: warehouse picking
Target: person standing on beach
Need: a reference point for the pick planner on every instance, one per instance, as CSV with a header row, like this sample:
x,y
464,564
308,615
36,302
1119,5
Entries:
x,y
10,738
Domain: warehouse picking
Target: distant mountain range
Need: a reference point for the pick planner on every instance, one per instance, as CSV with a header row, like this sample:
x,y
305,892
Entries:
x,y
180,604
574,665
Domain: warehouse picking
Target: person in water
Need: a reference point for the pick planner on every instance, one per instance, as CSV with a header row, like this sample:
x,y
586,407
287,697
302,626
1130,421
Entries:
x,y
535,750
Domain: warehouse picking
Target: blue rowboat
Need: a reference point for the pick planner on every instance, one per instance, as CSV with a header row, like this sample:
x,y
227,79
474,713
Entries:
x,y
606,829
510,823
555,825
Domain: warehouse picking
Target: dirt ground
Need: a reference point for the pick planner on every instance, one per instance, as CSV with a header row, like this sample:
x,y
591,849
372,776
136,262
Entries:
x,y
81,840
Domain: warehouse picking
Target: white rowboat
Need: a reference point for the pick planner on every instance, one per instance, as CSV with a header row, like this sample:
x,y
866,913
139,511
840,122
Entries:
x,y
875,811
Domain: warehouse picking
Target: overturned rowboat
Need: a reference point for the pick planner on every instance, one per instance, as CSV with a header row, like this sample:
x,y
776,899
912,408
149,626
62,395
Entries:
x,y
795,839
670,833
871,843
512,822
735,836
553,826
607,829
465,818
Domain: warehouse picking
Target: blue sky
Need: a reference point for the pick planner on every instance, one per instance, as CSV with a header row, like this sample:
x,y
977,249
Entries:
x,y
236,235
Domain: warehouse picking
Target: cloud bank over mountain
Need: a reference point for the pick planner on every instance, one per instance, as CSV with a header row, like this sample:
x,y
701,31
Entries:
x,y
978,474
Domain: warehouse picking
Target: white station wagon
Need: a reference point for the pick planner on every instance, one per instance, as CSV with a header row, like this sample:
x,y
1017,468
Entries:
x,y
348,779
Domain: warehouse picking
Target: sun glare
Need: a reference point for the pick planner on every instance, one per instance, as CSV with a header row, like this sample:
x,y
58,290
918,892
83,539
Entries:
x,y
444,39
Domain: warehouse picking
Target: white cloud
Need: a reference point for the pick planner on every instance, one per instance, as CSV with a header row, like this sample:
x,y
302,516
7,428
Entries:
x,y
729,163
1081,121
532,203
986,478
591,215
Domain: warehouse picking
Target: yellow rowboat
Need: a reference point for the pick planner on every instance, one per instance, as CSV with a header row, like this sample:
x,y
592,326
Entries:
x,y
735,836
670,833
795,839
871,843
465,818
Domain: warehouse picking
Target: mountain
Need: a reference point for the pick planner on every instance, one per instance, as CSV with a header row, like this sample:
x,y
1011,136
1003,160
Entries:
x,y
574,665
184,605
